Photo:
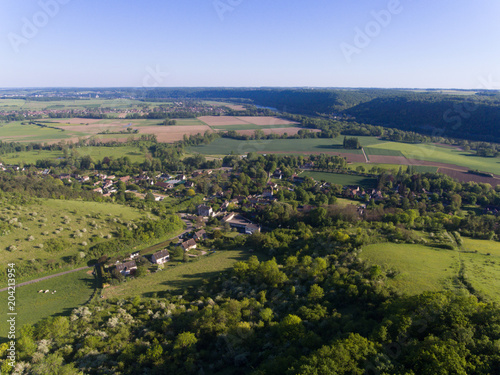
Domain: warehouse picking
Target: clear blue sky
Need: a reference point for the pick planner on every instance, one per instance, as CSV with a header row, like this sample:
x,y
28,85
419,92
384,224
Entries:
x,y
428,44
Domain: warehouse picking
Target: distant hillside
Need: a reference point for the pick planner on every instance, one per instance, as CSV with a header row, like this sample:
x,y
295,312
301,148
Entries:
x,y
474,116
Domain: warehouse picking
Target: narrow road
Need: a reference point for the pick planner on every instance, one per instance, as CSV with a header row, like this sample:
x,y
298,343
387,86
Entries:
x,y
47,277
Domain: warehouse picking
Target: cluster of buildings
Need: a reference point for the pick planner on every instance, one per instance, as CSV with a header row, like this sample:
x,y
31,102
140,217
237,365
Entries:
x,y
130,266
10,167
235,220
357,192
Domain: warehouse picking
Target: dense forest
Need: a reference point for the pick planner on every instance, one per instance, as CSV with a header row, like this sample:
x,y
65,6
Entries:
x,y
314,309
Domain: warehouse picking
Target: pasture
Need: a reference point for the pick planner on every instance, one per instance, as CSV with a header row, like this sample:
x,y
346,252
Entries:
x,y
225,146
482,269
483,273
441,154
17,104
95,152
420,268
28,229
72,290
394,167
16,132
342,202
342,179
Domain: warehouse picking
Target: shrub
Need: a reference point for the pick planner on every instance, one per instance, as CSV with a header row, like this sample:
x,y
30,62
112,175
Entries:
x,y
55,245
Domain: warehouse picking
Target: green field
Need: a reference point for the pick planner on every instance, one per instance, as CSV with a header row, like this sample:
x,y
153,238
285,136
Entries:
x,y
11,104
224,146
424,268
14,131
481,246
394,167
178,276
188,122
16,104
69,123
342,202
342,179
430,152
78,222
96,153
420,268
482,270
368,166
72,290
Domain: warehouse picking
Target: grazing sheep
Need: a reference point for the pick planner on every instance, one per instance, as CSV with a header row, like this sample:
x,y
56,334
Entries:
x,y
47,291
40,291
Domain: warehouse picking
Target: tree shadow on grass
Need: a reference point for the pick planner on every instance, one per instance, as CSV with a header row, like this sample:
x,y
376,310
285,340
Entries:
x,y
183,283
191,281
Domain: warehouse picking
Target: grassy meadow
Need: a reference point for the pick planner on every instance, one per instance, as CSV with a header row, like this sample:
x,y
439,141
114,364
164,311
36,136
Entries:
x,y
440,154
72,290
95,152
21,104
15,132
421,268
177,276
342,179
80,223
224,146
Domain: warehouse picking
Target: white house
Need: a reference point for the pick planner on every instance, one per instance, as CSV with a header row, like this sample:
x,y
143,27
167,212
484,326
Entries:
x,y
161,257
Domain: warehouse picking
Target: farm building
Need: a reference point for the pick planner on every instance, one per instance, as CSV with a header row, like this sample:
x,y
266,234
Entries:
x,y
242,224
268,193
228,217
135,255
127,268
188,245
164,185
161,257
204,210
200,235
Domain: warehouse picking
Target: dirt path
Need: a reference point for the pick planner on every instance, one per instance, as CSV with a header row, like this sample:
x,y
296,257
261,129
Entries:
x,y
47,277
364,153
